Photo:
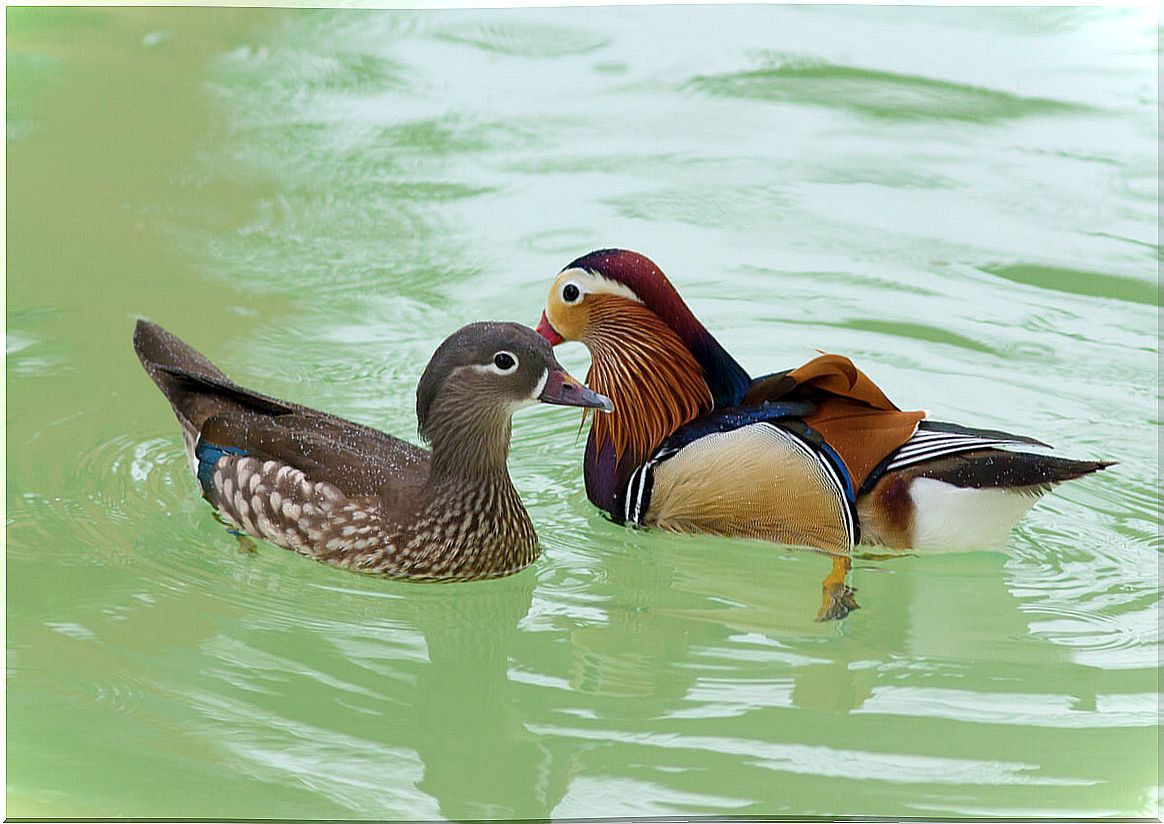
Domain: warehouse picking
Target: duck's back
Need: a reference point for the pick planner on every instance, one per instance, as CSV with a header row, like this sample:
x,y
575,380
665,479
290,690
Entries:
x,y
819,456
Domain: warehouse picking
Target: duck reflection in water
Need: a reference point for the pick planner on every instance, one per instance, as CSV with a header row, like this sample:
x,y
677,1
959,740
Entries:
x,y
472,731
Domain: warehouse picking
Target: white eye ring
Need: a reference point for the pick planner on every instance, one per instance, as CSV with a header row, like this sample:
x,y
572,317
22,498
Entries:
x,y
504,363
571,292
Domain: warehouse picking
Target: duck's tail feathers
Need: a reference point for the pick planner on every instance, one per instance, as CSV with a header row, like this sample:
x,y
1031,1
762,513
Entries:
x,y
969,500
155,347
177,369
1000,465
195,387
1003,469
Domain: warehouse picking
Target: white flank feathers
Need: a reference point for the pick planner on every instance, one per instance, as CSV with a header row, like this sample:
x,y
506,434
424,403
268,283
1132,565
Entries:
x,y
957,519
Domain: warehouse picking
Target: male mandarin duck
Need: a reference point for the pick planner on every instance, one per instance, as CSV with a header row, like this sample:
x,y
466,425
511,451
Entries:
x,y
354,497
816,455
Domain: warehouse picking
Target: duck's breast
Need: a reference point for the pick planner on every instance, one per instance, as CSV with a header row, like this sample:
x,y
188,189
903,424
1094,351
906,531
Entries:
x,y
757,481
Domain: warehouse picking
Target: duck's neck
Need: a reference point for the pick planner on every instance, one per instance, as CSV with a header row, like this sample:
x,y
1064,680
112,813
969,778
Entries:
x,y
468,440
470,521
655,382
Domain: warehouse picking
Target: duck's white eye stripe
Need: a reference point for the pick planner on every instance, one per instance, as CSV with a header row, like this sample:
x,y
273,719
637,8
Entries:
x,y
537,390
587,281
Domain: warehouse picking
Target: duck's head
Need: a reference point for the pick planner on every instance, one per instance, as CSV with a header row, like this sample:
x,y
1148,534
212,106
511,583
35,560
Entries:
x,y
614,298
484,372
599,292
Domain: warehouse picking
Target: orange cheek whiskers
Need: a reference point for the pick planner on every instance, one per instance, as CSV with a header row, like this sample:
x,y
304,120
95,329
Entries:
x,y
655,382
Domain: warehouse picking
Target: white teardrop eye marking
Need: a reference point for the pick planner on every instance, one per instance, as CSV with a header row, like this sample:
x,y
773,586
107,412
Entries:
x,y
590,283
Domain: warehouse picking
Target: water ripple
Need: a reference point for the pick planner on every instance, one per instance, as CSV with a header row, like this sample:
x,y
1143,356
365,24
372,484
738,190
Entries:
x,y
1025,709
1078,282
864,765
358,774
880,94
524,39
713,206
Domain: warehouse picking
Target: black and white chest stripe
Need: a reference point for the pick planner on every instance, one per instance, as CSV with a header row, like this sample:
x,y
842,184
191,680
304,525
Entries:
x,y
636,498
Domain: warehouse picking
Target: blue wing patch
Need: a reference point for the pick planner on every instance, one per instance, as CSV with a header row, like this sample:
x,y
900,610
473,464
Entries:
x,y
208,455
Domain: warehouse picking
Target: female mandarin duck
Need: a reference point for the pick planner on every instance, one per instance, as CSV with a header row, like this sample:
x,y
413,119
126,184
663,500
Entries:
x,y
816,455
354,497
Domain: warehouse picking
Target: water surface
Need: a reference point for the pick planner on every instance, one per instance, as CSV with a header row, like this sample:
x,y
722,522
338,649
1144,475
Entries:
x,y
964,200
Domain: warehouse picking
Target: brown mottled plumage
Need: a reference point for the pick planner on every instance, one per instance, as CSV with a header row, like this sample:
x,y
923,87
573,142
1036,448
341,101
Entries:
x,y
351,496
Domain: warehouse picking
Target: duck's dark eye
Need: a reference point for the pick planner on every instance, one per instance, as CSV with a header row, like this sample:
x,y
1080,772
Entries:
x,y
570,292
504,361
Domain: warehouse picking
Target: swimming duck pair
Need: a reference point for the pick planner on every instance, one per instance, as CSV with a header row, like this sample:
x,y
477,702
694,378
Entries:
x,y
816,455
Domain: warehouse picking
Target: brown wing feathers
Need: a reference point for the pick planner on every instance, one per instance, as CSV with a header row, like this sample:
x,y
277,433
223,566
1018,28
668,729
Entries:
x,y
358,459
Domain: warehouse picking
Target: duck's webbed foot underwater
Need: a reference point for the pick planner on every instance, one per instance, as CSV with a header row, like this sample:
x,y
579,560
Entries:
x,y
836,597
880,556
246,544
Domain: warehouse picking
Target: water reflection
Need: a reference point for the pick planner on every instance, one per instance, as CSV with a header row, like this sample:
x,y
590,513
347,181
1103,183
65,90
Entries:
x,y
481,760
408,700
699,685
510,698
459,691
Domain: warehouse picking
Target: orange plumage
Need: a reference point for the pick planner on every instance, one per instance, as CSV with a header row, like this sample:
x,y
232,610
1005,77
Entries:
x,y
853,415
640,364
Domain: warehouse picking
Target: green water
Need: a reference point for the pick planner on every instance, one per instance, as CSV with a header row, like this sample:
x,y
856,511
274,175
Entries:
x,y
962,200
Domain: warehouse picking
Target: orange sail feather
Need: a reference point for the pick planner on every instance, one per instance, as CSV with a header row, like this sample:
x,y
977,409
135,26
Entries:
x,y
853,415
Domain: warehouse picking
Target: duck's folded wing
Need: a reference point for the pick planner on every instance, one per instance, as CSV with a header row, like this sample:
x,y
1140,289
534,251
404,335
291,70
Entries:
x,y
851,413
336,451
825,375
358,459
863,436
935,439
185,388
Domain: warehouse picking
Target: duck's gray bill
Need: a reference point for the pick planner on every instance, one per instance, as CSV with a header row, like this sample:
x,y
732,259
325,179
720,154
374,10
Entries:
x,y
562,389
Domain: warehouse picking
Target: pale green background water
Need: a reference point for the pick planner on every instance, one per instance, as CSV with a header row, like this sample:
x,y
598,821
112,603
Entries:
x,y
963,200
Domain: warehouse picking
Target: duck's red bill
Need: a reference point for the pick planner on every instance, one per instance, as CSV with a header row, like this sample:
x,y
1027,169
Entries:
x,y
563,390
549,332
